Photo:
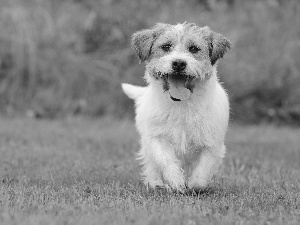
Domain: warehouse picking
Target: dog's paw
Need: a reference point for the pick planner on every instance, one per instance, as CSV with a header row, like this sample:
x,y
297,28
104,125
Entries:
x,y
166,187
160,186
197,183
174,179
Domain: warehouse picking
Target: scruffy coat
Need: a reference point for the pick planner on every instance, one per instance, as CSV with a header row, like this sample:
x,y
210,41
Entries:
x,y
182,142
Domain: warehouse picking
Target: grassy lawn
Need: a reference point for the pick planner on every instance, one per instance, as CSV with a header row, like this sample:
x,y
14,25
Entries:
x,y
80,171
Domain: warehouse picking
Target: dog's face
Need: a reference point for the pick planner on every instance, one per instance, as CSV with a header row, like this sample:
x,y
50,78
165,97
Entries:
x,y
179,55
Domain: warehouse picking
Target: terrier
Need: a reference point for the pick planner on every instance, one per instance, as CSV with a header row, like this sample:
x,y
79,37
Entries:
x,y
182,115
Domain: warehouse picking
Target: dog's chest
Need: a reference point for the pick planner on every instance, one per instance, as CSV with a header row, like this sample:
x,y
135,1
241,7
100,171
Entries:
x,y
188,131
184,136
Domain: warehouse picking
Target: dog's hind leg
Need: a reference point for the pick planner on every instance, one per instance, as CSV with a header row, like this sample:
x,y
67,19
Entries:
x,y
207,166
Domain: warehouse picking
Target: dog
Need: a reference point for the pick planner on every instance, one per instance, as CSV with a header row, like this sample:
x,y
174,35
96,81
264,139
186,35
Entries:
x,y
182,115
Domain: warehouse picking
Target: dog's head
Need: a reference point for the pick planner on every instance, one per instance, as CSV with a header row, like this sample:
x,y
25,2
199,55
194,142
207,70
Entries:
x,y
179,55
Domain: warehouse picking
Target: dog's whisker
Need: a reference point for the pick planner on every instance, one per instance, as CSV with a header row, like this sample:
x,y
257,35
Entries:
x,y
187,80
188,83
157,74
166,86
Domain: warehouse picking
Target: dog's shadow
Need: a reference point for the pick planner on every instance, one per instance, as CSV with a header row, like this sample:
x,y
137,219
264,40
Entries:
x,y
202,192
163,192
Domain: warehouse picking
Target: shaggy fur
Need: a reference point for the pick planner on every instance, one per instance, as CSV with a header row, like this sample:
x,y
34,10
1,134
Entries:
x,y
182,142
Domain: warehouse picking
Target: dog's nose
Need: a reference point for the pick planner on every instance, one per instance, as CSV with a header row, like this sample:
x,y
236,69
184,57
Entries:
x,y
178,65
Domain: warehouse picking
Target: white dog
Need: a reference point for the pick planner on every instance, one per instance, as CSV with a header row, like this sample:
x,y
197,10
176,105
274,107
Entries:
x,y
182,115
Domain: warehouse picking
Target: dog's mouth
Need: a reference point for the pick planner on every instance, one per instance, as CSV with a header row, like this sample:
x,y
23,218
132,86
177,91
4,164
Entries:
x,y
179,85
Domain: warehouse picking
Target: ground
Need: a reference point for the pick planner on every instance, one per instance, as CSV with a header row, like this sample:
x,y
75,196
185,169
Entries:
x,y
83,171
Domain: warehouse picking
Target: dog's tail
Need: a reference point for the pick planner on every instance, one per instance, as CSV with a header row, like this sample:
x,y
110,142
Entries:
x,y
132,91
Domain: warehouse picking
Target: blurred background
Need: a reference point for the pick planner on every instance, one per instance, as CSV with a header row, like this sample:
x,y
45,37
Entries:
x,y
68,57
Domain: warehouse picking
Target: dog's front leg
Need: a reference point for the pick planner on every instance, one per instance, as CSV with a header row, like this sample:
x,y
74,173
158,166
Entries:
x,y
162,154
207,166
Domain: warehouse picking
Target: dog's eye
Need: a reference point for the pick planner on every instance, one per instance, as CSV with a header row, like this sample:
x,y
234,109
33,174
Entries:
x,y
166,47
194,49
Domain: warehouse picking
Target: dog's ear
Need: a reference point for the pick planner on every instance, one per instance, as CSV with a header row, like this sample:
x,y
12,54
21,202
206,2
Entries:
x,y
142,41
217,44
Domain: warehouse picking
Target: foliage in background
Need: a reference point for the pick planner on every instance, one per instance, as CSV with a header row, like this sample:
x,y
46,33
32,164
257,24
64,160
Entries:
x,y
60,57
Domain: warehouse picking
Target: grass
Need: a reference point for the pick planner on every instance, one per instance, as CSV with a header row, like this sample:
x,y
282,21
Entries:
x,y
82,171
